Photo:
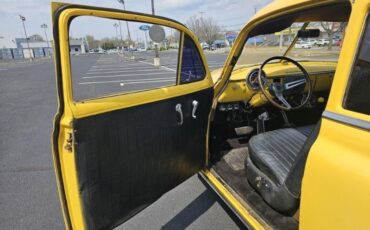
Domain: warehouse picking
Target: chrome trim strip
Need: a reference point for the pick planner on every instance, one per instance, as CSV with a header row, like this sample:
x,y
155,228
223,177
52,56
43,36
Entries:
x,y
309,73
347,120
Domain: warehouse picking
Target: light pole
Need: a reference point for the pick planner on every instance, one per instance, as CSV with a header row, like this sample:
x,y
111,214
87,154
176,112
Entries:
x,y
153,7
128,29
115,25
155,46
120,32
23,19
44,26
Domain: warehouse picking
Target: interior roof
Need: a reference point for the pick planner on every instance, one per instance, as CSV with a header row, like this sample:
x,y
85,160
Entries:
x,y
338,12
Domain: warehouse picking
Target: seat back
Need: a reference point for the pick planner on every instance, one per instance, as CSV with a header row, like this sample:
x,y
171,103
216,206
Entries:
x,y
293,181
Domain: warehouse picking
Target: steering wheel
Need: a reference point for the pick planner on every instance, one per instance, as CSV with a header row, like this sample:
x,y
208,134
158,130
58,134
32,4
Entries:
x,y
275,91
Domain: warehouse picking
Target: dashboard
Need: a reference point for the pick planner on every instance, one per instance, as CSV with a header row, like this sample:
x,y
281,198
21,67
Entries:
x,y
243,84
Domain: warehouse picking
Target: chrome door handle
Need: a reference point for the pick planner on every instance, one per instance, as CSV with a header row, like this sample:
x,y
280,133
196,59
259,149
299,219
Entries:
x,y
195,106
178,109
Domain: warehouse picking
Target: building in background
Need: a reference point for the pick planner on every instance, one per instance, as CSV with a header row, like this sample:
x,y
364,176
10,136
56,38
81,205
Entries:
x,y
78,46
18,48
9,50
37,49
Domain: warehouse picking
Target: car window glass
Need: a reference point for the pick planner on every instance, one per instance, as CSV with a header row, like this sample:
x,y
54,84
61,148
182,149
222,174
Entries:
x,y
326,47
114,57
357,98
192,68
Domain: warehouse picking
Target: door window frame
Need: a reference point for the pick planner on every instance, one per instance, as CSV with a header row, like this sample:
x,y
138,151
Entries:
x,y
361,41
94,106
336,109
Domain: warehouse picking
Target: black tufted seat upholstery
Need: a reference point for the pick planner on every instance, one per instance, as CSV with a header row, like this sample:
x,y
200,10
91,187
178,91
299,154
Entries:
x,y
276,159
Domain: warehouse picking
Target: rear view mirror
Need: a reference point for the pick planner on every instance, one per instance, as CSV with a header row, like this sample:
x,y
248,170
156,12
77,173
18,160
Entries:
x,y
309,33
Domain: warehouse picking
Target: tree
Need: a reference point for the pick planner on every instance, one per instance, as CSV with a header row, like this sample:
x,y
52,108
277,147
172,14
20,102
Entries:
x,y
194,24
173,39
332,28
206,29
93,44
36,37
108,43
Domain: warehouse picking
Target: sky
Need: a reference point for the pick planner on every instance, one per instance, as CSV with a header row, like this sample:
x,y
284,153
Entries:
x,y
230,14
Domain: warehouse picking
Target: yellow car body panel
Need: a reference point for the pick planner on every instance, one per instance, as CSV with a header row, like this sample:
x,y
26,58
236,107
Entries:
x,y
336,183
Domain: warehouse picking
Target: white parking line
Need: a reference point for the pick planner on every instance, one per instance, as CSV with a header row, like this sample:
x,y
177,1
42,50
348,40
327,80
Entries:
x,y
167,68
157,80
122,75
119,64
124,71
124,68
3,69
148,63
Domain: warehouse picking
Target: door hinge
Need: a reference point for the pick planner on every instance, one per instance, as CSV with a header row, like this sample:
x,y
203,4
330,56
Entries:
x,y
69,143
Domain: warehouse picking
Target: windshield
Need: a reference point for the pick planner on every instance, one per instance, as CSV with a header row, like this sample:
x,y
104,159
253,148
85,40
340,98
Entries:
x,y
326,47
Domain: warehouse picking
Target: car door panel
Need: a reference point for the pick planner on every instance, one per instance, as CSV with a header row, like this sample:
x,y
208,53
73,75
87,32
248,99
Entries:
x,y
114,155
336,182
128,158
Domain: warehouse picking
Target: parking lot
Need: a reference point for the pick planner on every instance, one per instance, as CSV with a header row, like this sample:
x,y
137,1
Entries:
x,y
97,75
105,74
28,193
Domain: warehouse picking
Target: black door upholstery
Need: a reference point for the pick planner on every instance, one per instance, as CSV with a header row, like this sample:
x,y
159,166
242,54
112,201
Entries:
x,y
275,165
128,158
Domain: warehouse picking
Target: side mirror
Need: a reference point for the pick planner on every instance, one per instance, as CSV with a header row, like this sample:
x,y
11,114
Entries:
x,y
309,33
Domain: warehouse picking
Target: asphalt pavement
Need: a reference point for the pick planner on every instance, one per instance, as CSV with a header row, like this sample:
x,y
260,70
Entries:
x,y
28,193
97,75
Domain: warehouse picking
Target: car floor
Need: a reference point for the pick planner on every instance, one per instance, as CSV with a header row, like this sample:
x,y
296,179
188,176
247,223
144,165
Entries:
x,y
231,169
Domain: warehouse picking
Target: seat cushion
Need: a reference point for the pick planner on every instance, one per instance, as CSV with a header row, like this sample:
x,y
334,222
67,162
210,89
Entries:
x,y
275,152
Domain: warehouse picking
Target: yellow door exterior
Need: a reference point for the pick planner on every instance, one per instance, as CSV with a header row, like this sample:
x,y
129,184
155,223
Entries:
x,y
336,182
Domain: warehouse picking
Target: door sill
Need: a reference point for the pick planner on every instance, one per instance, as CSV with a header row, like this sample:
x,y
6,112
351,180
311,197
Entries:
x,y
240,208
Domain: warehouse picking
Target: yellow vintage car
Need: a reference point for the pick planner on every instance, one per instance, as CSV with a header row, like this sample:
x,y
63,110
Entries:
x,y
281,134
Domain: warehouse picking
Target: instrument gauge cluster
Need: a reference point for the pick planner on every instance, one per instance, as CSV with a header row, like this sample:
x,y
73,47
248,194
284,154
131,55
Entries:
x,y
252,79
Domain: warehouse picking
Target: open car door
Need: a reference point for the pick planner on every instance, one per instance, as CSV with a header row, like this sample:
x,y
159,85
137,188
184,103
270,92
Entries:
x,y
115,154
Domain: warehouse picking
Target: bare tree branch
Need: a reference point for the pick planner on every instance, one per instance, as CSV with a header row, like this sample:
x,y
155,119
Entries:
x,y
332,28
206,29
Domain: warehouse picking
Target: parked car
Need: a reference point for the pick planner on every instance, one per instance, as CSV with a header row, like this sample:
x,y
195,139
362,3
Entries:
x,y
218,44
141,49
337,42
112,51
313,42
322,42
205,45
302,45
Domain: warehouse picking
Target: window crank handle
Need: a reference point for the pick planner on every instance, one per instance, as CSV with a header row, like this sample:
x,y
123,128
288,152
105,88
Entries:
x,y
178,109
195,106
